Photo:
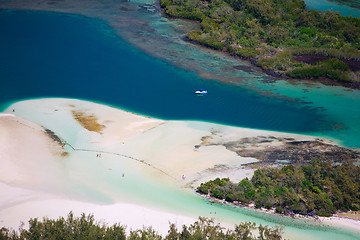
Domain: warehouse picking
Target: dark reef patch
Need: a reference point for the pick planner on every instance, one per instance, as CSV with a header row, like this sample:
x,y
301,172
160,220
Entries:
x,y
354,65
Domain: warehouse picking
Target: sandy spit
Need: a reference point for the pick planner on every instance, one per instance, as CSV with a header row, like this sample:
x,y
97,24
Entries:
x,y
52,164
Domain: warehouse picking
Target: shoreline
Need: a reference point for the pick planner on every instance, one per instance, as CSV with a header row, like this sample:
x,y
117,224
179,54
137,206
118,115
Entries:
x,y
34,204
273,72
60,8
88,11
109,183
174,125
284,59
333,220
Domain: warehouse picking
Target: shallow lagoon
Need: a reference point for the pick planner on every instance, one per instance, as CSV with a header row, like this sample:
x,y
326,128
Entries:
x,y
83,178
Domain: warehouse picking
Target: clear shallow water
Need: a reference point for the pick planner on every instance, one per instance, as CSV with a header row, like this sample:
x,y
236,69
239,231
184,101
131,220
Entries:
x,y
337,104
58,55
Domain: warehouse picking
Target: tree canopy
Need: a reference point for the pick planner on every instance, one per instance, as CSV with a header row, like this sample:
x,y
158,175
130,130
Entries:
x,y
316,189
85,227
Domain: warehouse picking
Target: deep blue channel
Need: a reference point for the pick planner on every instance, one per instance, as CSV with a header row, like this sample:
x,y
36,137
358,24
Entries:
x,y
60,55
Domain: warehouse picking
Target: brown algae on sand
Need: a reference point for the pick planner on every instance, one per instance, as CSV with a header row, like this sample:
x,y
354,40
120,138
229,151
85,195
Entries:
x,y
88,121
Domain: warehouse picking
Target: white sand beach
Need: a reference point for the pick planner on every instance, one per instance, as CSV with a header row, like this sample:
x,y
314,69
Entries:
x,y
59,155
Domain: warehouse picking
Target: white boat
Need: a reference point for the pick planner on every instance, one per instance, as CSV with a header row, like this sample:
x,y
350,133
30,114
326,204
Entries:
x,y
201,92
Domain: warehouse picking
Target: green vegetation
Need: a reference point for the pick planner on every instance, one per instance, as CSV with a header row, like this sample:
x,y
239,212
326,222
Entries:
x,y
272,32
331,68
319,188
85,227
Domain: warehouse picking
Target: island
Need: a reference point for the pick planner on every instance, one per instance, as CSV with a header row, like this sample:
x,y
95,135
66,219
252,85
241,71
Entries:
x,y
317,189
281,37
122,167
308,178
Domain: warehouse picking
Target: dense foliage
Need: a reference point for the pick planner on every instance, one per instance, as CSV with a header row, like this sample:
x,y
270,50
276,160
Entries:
x,y
319,188
271,32
85,227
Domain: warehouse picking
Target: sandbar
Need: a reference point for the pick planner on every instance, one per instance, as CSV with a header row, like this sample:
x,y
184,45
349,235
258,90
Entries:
x,y
53,164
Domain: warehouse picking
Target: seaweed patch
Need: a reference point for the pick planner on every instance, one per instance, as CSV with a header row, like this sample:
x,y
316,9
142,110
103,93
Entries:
x,y
88,121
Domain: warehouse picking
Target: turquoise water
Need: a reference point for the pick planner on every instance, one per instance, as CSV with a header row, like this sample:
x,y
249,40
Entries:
x,y
59,55
163,38
338,105
40,60
344,7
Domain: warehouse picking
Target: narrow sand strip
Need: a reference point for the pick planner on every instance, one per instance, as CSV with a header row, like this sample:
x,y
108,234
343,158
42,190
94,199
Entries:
x,y
31,204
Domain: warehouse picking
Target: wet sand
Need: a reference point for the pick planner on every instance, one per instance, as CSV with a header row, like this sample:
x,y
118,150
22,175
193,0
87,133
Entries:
x,y
100,172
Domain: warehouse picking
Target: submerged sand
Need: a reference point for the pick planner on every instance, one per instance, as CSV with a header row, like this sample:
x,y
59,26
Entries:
x,y
52,163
